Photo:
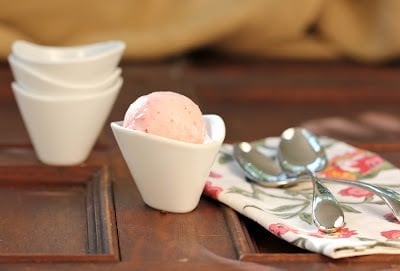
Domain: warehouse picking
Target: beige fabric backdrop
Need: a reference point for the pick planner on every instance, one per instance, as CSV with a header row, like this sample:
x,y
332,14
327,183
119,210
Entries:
x,y
364,30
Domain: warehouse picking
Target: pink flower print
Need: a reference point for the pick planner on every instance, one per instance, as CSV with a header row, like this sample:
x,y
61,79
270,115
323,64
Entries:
x,y
391,235
340,233
367,163
280,229
359,161
336,172
344,233
211,190
214,174
352,164
391,218
356,192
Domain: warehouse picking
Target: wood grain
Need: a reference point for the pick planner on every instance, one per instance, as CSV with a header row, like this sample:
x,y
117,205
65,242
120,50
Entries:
x,y
57,214
354,103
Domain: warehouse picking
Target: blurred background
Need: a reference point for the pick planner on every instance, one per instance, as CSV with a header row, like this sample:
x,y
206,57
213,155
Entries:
x,y
329,65
365,31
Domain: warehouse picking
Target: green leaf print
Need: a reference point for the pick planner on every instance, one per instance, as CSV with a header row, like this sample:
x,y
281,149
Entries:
x,y
306,217
225,158
299,242
348,208
385,166
284,208
252,206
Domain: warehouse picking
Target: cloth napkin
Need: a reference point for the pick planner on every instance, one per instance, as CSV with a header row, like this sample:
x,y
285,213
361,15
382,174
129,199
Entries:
x,y
366,31
370,225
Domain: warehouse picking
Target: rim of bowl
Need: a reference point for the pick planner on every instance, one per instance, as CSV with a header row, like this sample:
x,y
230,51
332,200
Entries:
x,y
19,48
64,97
209,142
14,61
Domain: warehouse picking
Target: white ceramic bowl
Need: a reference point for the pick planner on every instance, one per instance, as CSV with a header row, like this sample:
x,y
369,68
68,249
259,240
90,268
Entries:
x,y
63,130
86,63
40,83
170,175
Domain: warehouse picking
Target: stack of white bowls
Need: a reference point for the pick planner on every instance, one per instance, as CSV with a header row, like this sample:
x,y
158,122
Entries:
x,y
65,95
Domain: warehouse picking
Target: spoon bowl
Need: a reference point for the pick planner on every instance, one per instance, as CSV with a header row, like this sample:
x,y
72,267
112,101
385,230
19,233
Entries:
x,y
258,167
300,152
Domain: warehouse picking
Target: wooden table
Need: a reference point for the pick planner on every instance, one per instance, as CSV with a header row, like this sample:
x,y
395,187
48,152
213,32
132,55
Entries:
x,y
91,217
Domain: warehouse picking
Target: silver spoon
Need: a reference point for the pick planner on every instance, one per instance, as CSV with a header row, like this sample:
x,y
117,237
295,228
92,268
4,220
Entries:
x,y
299,152
256,167
259,168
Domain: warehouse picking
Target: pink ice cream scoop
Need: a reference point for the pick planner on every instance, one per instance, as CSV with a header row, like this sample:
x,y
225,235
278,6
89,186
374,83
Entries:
x,y
168,114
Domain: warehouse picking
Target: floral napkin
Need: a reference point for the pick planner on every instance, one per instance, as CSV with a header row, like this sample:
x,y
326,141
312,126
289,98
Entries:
x,y
370,226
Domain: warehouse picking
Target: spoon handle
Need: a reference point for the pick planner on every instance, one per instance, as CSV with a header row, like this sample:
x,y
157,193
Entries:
x,y
322,191
372,187
391,197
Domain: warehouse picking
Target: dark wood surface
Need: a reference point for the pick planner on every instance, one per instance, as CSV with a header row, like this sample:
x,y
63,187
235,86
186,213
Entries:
x,y
358,104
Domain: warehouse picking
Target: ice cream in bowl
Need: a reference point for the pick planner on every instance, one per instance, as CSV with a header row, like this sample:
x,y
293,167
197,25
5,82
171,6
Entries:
x,y
169,147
